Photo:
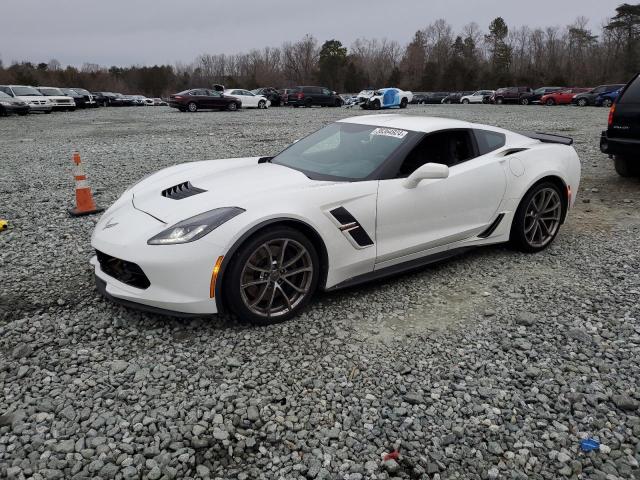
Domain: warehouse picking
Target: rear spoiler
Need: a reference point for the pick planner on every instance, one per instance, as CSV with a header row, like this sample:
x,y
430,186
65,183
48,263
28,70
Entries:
x,y
548,137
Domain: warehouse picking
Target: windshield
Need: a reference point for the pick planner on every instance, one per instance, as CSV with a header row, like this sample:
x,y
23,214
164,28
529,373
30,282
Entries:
x,y
343,151
81,91
4,95
51,92
26,92
68,91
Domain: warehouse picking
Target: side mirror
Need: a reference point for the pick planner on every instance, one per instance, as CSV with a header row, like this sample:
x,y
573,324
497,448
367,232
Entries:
x,y
428,171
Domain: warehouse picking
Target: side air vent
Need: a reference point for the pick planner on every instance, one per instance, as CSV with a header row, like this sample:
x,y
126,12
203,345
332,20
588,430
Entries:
x,y
511,151
351,227
182,190
492,228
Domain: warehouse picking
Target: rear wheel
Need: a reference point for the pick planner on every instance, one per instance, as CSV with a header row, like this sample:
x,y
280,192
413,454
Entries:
x,y
499,100
403,103
232,107
192,107
272,277
524,101
308,103
538,218
626,167
48,111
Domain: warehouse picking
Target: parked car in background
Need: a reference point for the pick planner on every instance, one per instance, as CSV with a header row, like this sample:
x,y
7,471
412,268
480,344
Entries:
x,y
119,100
89,100
417,99
455,97
78,99
387,98
158,102
284,95
521,95
607,99
59,100
248,99
562,97
32,97
434,97
476,97
270,94
102,98
9,105
304,96
538,93
142,101
203,99
621,139
589,98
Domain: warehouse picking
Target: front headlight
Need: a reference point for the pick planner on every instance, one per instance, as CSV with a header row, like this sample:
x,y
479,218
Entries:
x,y
195,227
5,104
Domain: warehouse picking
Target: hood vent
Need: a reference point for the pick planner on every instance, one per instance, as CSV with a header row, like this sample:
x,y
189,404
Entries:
x,y
182,190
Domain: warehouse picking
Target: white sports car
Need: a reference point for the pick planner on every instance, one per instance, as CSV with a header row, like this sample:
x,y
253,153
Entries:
x,y
359,199
248,99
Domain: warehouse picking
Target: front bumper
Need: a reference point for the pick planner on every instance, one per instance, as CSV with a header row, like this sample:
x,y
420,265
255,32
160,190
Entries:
x,y
47,107
178,276
619,146
19,109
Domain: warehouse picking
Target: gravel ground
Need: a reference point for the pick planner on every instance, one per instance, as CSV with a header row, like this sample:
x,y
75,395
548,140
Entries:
x,y
491,365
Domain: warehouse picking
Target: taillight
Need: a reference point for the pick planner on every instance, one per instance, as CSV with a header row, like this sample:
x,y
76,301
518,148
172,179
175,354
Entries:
x,y
300,96
611,112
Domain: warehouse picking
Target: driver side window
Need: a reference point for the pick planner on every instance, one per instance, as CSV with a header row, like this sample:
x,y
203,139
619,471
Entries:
x,y
449,147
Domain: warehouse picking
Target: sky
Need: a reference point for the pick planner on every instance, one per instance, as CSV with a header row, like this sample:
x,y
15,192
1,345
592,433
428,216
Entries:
x,y
147,32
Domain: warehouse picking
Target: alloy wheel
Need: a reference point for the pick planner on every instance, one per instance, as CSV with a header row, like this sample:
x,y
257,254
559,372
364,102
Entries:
x,y
542,218
276,278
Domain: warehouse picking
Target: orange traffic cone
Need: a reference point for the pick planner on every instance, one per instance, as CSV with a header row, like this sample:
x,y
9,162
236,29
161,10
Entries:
x,y
84,199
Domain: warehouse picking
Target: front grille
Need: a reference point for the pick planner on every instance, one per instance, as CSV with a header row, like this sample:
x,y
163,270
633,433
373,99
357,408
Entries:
x,y
125,272
182,190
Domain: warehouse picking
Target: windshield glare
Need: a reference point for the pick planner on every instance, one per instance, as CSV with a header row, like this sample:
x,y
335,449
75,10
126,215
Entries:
x,y
343,151
26,92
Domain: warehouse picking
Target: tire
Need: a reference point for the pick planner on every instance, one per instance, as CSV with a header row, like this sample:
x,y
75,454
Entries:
x,y
465,101
192,107
534,225
524,101
308,103
232,107
403,103
376,105
550,102
182,110
262,104
582,102
283,296
499,101
48,112
337,103
626,167
607,103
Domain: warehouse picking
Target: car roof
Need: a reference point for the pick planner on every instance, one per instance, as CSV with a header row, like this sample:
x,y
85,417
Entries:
x,y
409,122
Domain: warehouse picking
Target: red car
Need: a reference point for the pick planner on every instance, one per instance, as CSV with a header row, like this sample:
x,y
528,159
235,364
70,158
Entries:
x,y
562,97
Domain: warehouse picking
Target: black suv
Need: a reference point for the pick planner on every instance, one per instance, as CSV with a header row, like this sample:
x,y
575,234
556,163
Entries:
x,y
310,96
622,139
589,98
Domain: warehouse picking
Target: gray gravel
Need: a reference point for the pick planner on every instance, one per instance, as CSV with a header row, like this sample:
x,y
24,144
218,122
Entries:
x,y
493,365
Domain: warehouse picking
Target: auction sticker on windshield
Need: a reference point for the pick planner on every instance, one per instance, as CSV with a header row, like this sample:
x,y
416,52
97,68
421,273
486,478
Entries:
x,y
390,132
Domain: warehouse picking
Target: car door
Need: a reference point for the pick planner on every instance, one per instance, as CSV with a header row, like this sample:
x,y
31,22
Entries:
x,y
413,221
215,100
250,98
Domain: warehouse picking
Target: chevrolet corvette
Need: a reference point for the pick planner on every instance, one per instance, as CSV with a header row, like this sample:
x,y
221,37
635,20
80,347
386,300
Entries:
x,y
360,199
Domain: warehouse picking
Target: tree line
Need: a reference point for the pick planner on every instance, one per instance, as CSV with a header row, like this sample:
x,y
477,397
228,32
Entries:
x,y
436,58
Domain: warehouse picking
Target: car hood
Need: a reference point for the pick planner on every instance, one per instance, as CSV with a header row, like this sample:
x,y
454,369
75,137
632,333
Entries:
x,y
239,182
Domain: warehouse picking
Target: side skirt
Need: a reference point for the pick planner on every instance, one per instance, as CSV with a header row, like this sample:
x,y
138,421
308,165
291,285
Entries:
x,y
399,268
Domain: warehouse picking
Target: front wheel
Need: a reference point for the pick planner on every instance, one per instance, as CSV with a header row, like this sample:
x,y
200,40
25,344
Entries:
x,y
262,104
499,101
626,167
192,107
272,277
376,105
582,102
403,103
607,103
465,101
550,102
538,218
524,101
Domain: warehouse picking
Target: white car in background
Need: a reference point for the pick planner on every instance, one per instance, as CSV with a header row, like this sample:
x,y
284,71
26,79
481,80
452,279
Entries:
x,y
248,99
476,97
59,100
31,96
360,199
